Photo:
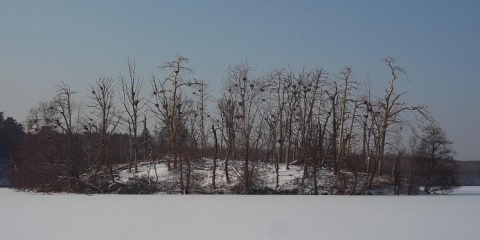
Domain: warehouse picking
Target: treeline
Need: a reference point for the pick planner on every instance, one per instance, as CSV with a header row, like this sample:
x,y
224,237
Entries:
x,y
11,133
469,173
310,118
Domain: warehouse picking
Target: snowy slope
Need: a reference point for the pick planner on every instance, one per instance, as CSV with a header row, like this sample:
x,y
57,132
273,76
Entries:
x,y
70,216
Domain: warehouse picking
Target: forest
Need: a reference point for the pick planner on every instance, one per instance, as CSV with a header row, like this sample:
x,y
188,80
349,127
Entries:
x,y
321,124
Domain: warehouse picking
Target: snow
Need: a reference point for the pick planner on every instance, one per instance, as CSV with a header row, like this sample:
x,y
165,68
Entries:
x,y
70,216
264,176
466,190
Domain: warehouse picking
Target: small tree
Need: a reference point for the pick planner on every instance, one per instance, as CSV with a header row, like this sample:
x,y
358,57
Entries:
x,y
438,169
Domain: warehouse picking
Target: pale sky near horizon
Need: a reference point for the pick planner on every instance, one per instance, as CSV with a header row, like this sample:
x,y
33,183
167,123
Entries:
x,y
437,42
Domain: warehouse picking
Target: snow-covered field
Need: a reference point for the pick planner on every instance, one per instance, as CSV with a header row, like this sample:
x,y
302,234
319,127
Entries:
x,y
70,216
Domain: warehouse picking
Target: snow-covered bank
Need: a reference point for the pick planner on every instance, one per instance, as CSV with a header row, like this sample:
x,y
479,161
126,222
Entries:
x,y
466,190
70,216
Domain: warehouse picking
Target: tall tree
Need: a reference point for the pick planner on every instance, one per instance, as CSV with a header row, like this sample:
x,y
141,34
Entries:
x,y
227,110
291,108
203,96
133,105
246,93
344,135
310,86
390,108
277,81
169,104
105,119
64,109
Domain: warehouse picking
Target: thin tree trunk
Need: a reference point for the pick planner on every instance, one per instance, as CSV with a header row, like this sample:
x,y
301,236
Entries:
x,y
215,156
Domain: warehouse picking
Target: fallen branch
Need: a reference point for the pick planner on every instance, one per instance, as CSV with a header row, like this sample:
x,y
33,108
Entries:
x,y
81,181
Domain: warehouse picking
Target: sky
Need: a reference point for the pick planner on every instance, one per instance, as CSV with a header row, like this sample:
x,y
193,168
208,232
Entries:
x,y
45,42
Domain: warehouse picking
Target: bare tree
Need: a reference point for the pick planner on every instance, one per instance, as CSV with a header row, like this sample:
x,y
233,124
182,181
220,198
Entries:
x,y
105,119
64,107
246,93
345,135
227,109
413,146
390,108
190,118
131,87
203,98
372,121
398,150
40,116
214,131
321,130
292,105
169,101
179,115
310,87
277,83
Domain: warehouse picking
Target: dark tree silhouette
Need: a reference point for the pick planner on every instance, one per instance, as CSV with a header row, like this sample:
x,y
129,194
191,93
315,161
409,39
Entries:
x,y
437,164
11,133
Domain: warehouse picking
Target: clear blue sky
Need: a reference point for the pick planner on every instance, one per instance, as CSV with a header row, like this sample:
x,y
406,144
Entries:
x,y
437,42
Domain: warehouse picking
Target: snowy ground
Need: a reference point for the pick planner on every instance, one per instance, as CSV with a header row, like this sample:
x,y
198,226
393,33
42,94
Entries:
x,y
70,216
264,177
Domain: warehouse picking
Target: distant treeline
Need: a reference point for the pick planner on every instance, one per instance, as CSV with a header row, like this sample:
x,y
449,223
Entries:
x,y
469,173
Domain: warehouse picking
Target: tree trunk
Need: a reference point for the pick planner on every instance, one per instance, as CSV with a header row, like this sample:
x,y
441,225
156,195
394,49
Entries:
x,y
215,156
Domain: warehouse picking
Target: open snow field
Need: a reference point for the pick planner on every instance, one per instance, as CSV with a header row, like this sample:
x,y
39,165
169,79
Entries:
x,y
69,216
